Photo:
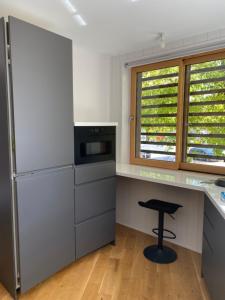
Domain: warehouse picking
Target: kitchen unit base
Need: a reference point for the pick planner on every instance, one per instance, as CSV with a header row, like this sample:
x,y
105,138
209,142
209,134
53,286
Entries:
x,y
213,259
95,203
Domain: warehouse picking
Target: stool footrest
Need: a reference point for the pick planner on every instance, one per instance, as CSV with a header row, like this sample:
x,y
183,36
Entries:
x,y
172,236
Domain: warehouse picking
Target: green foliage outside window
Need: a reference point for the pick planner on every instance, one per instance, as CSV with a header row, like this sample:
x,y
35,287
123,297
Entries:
x,y
213,87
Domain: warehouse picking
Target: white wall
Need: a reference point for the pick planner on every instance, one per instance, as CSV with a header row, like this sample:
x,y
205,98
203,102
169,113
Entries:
x,y
189,222
92,85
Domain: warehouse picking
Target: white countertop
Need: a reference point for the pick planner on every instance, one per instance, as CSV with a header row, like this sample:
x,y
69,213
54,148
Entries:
x,y
95,124
178,178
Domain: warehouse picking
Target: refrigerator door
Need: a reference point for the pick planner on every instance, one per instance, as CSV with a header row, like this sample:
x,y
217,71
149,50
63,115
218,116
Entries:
x,y
46,224
7,241
42,88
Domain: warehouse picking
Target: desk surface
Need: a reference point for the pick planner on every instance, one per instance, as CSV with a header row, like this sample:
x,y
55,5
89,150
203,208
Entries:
x,y
178,178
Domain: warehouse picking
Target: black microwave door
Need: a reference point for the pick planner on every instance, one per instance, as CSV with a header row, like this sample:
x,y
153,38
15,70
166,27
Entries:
x,y
95,149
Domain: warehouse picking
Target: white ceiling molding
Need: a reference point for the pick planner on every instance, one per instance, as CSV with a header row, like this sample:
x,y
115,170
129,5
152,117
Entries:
x,y
193,45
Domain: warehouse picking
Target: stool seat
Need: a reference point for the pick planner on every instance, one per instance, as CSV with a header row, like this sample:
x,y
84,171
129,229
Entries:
x,y
159,205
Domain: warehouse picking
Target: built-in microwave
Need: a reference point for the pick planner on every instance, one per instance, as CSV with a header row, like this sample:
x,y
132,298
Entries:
x,y
94,144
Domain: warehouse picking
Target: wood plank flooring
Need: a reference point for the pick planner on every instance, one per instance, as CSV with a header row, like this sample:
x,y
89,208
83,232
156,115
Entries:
x,y
122,273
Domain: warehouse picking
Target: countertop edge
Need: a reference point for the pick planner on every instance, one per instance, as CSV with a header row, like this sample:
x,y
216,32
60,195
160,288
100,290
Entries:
x,y
209,190
95,124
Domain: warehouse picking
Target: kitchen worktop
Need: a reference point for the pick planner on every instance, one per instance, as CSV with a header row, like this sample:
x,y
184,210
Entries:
x,y
184,179
95,124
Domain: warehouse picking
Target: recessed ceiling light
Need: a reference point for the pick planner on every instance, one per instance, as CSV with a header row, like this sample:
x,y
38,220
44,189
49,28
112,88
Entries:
x,y
80,20
71,8
134,0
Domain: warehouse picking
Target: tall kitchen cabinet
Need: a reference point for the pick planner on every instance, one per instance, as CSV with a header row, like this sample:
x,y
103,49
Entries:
x,y
36,155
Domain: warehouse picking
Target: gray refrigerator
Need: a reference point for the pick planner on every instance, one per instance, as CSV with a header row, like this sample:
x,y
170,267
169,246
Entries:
x,y
36,155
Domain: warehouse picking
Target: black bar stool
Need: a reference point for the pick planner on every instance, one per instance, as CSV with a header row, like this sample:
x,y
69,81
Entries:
x,y
159,253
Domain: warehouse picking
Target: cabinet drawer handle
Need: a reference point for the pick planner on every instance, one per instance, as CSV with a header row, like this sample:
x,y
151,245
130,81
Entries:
x,y
210,222
208,243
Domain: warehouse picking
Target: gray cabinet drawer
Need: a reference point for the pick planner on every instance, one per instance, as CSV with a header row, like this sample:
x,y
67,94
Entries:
x,y
211,212
95,171
95,233
95,198
208,266
209,231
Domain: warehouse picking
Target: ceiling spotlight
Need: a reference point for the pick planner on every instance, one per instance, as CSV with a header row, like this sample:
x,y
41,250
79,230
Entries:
x,y
71,8
134,0
162,38
80,20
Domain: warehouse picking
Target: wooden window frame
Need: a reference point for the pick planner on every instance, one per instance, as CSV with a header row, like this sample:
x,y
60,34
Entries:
x,y
178,164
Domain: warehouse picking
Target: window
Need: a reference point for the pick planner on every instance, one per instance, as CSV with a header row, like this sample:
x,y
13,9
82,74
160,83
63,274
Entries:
x,y
178,114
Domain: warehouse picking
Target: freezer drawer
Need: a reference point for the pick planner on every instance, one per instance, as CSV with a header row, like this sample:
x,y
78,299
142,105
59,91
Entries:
x,y
94,198
95,171
45,224
95,233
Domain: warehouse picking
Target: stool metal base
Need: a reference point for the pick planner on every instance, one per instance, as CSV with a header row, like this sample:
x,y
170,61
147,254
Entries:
x,y
160,256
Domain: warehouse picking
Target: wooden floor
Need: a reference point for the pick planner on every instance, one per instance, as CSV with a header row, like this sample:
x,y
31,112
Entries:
x,y
122,272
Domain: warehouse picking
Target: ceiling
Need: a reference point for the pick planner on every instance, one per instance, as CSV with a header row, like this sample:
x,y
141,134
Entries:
x,y
121,26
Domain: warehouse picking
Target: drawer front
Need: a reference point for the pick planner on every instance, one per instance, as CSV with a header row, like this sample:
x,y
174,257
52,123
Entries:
x,y
209,231
95,171
208,267
95,233
94,198
207,252
211,212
